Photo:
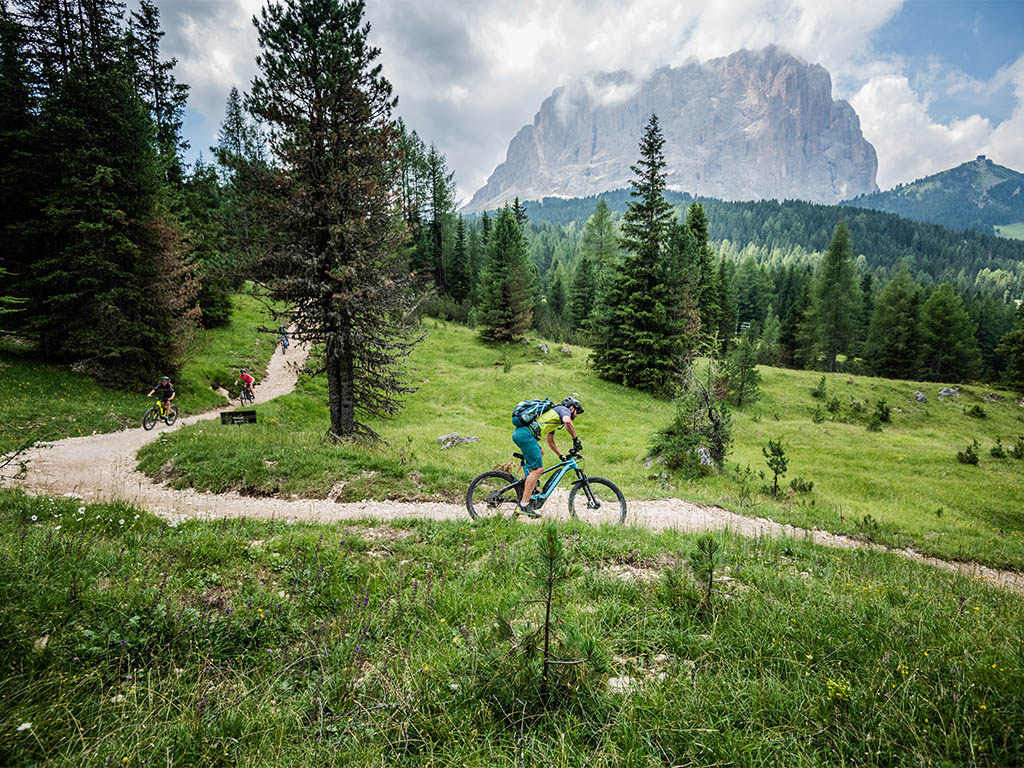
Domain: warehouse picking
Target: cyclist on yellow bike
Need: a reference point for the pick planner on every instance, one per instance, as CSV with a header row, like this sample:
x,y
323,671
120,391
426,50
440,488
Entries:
x,y
528,440
165,392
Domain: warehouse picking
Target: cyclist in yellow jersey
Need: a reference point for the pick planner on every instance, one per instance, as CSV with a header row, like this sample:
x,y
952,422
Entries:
x,y
527,438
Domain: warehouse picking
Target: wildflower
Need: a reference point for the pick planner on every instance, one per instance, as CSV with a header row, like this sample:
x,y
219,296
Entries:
x,y
57,528
33,518
81,510
24,726
121,521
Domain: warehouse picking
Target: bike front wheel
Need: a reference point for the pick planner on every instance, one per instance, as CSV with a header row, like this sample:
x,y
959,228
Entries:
x,y
149,419
172,415
596,500
490,496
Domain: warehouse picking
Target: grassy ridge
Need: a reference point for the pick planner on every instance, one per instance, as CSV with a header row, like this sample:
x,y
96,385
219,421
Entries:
x,y
1015,231
902,485
220,643
47,402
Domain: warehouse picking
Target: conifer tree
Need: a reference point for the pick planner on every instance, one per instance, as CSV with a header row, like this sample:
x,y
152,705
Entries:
x,y
508,283
893,347
836,298
703,281
581,293
336,261
1011,347
949,351
638,340
460,274
598,240
442,211
725,290
742,376
768,347
519,213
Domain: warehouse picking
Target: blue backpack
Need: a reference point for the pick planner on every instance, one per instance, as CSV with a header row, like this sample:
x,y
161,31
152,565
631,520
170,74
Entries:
x,y
528,410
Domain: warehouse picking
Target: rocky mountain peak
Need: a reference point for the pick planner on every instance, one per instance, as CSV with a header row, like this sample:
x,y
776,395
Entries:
x,y
752,125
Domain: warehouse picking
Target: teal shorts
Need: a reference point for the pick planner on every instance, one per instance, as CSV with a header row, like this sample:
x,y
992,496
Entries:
x,y
530,447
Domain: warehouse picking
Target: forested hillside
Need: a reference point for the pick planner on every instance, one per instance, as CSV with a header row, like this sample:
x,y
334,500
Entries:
x,y
978,195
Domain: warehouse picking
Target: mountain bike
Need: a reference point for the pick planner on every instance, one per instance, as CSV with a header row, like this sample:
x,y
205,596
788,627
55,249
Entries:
x,y
591,499
284,344
245,395
159,412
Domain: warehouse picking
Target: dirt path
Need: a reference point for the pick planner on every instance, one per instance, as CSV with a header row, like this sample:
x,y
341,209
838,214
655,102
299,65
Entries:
x,y
102,468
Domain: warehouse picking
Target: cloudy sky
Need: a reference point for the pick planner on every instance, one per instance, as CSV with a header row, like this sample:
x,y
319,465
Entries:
x,y
935,82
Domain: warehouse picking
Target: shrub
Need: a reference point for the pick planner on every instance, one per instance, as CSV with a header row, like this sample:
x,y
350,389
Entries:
x,y
874,423
998,452
819,391
698,438
833,405
883,411
817,415
799,485
975,412
1017,451
704,559
969,455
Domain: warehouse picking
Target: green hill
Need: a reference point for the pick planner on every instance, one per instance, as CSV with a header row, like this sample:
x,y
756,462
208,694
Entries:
x,y
978,195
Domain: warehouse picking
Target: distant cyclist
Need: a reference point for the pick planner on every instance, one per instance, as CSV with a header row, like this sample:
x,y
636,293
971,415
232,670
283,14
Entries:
x,y
165,393
283,333
528,440
247,382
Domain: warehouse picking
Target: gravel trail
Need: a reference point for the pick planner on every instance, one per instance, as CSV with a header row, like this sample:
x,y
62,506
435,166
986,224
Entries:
x,y
102,468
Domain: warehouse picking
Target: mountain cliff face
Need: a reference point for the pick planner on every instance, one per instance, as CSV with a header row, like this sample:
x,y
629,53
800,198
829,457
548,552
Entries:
x,y
753,125
979,195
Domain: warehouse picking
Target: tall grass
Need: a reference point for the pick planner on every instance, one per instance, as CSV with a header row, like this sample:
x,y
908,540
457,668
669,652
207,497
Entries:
x,y
128,642
901,485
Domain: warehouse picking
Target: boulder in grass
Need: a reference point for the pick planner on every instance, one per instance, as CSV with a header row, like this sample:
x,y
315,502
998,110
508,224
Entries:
x,y
949,392
447,441
543,348
919,396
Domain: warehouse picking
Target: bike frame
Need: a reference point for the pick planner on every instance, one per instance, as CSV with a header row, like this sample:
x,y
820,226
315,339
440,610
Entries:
x,y
560,470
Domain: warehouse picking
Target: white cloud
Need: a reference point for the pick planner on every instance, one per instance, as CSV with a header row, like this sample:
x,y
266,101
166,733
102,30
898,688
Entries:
x,y
470,73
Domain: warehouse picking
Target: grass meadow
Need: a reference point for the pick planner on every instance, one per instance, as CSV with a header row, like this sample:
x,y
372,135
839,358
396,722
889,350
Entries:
x,y
902,485
42,402
1015,231
126,641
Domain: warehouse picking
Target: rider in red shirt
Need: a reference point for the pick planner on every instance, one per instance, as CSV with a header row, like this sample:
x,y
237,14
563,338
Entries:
x,y
247,381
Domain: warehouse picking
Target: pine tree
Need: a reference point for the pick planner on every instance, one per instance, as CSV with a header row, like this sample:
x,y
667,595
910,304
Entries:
x,y
556,293
441,214
703,280
337,261
508,283
460,274
893,347
519,213
742,376
728,319
638,340
836,298
1011,347
163,95
949,351
598,240
768,347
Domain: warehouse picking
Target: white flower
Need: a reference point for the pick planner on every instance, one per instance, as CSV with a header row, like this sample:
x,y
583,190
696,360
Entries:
x,y
57,528
33,518
121,521
24,726
136,517
81,510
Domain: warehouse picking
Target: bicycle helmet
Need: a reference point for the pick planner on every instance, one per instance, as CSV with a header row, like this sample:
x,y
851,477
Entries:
x,y
243,370
572,402
165,378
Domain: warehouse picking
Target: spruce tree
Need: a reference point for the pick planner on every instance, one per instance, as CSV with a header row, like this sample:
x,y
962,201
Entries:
x,y
638,341
507,284
519,213
1011,347
336,262
581,293
460,273
949,351
703,280
725,290
598,240
768,347
893,347
742,376
836,298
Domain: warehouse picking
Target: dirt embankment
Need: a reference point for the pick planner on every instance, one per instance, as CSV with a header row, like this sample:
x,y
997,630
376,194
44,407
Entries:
x,y
102,468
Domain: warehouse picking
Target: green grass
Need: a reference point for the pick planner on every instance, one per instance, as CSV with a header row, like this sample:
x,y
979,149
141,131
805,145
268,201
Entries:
x,y
128,642
1015,231
47,402
901,486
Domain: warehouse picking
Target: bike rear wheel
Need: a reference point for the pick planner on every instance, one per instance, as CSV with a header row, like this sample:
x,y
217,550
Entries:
x,y
596,500
172,415
485,497
149,419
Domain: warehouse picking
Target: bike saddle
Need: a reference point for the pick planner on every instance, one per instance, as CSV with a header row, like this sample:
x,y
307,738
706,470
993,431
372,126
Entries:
x,y
518,456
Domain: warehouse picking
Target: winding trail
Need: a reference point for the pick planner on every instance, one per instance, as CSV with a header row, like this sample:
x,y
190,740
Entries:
x,y
102,468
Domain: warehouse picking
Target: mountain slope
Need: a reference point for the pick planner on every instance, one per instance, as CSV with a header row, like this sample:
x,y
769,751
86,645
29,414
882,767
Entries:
x,y
978,195
753,125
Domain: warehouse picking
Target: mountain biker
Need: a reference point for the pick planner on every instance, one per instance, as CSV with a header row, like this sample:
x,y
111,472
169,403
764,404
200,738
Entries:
x,y
165,392
528,440
283,333
247,382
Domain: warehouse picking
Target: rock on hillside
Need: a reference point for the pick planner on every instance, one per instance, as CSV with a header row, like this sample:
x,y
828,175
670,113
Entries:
x,y
753,125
